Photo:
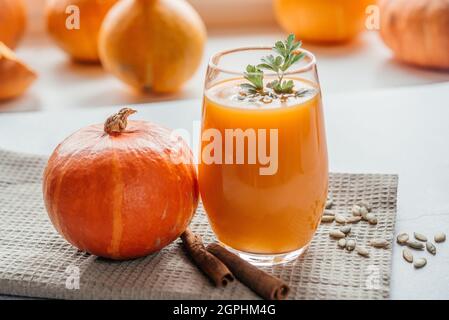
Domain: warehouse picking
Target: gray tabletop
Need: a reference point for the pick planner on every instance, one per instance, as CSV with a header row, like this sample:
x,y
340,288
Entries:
x,y
402,130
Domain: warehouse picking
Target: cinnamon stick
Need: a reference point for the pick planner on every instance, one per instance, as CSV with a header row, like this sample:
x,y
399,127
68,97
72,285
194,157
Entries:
x,y
207,262
264,284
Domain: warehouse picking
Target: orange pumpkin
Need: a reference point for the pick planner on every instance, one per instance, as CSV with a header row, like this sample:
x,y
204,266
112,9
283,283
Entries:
x,y
417,31
325,21
121,190
152,45
62,17
12,21
15,76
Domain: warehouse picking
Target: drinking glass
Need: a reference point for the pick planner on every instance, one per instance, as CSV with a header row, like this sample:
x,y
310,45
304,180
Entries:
x,y
263,169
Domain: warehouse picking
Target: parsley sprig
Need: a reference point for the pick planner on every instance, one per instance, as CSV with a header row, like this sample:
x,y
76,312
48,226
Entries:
x,y
288,54
255,76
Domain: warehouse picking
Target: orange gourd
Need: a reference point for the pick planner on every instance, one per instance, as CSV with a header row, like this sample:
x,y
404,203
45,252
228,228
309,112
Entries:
x,y
12,21
417,31
325,21
153,45
15,76
80,41
121,190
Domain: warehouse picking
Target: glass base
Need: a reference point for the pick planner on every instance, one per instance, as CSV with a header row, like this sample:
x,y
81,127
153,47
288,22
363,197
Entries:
x,y
268,259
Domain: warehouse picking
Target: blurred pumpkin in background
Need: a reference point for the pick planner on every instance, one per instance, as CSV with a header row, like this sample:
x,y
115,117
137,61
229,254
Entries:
x,y
417,31
12,21
324,21
153,45
80,43
15,76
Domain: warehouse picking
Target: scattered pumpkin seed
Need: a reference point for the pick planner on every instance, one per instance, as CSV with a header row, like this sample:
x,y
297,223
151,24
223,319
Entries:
x,y
365,204
407,254
420,262
336,234
362,251
356,210
440,237
364,213
329,203
372,220
340,218
402,238
328,213
353,219
420,236
342,243
415,244
327,219
369,216
350,244
431,248
345,229
379,243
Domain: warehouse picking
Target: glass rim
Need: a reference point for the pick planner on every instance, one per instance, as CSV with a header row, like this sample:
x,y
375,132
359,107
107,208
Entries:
x,y
215,65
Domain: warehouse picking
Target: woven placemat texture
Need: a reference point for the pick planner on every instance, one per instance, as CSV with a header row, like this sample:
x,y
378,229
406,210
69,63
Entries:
x,y
35,261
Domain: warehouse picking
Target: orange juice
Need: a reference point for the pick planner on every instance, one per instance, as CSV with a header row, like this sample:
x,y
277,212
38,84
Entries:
x,y
270,213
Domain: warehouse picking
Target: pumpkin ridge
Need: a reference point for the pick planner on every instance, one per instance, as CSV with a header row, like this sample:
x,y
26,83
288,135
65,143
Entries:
x,y
57,197
51,205
117,226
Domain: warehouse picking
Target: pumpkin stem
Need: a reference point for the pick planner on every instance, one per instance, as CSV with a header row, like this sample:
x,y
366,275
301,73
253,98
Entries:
x,y
117,123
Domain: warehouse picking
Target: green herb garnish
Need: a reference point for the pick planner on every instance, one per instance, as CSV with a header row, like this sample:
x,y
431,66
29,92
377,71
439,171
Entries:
x,y
255,76
288,55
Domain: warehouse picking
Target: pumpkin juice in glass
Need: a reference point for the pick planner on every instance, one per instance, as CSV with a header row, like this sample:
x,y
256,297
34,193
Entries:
x,y
263,167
